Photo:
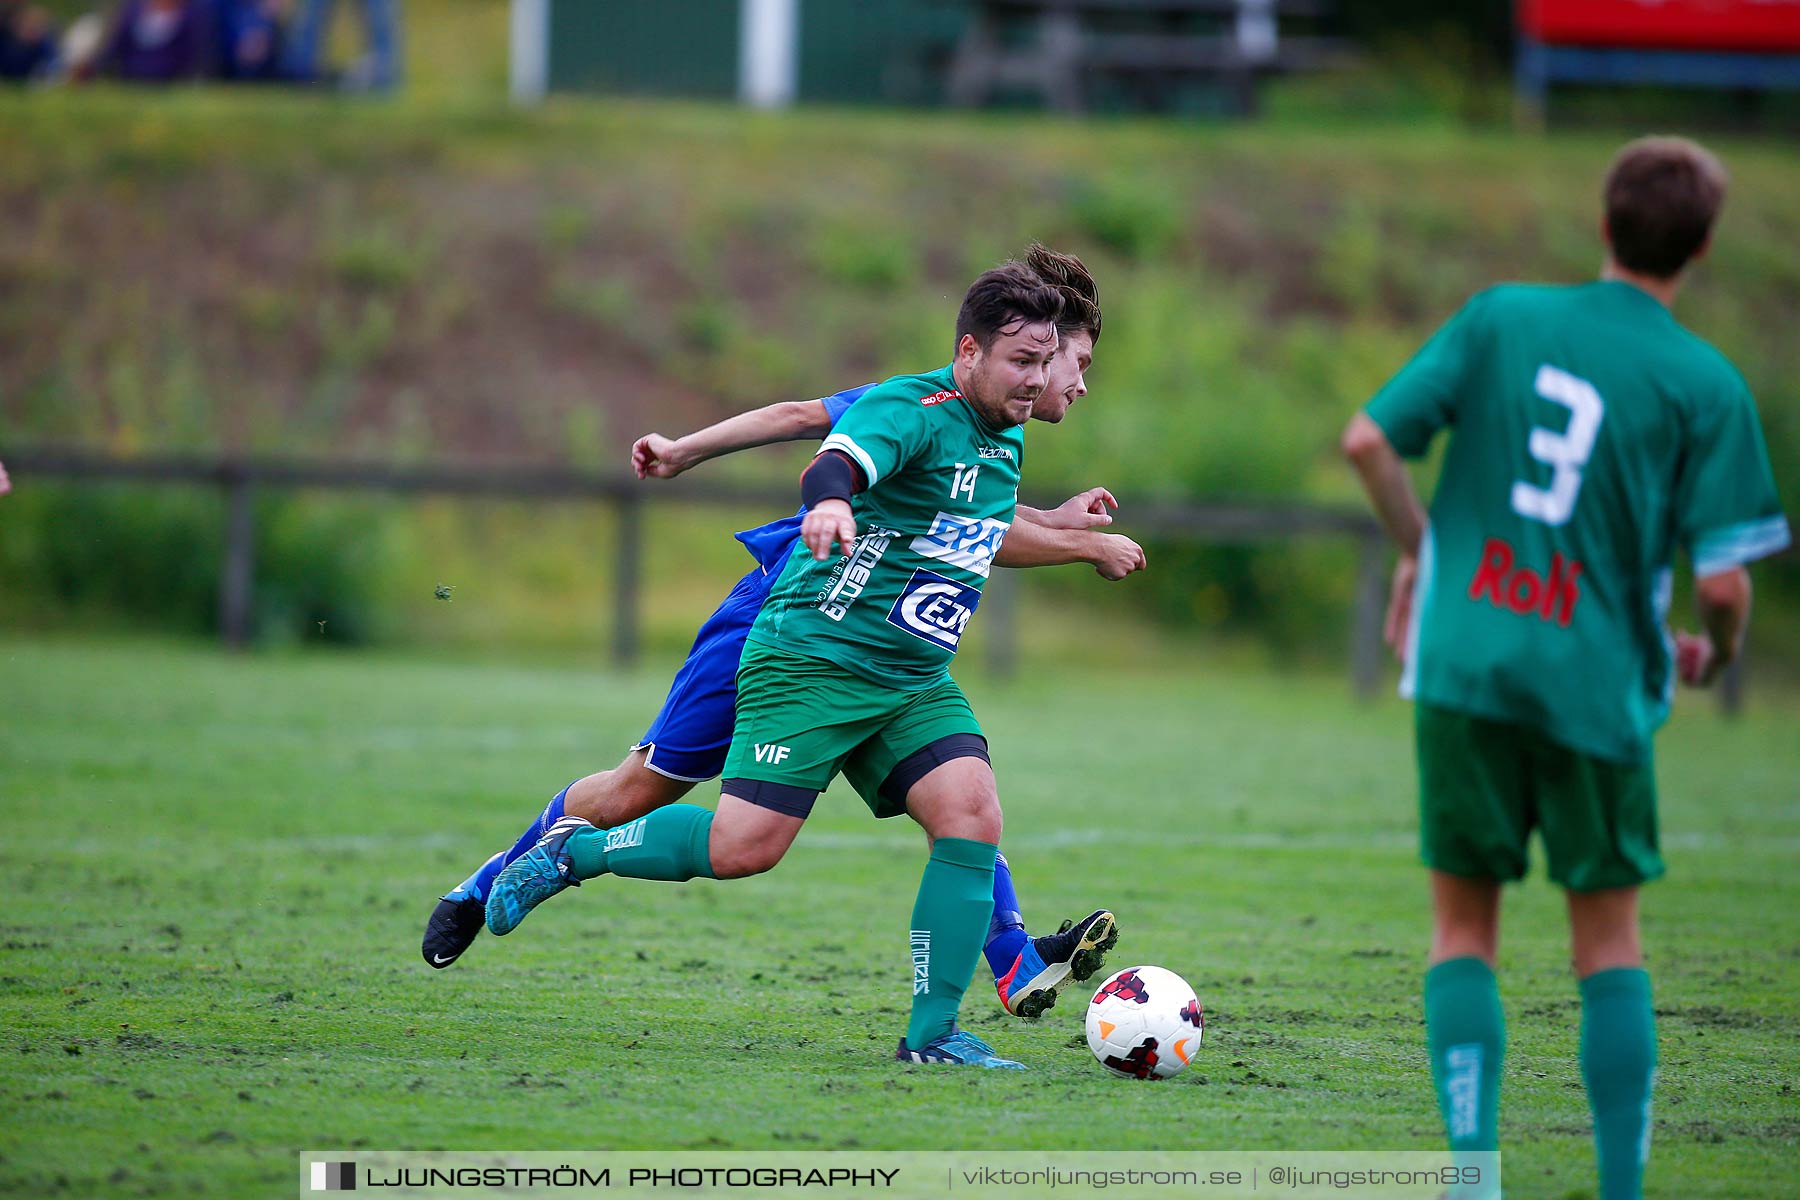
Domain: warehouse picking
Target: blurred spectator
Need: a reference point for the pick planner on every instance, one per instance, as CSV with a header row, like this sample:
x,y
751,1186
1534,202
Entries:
x,y
5,483
379,67
251,40
82,43
27,43
160,41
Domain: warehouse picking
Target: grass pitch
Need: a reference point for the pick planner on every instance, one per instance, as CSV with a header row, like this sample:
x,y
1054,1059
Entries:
x,y
219,868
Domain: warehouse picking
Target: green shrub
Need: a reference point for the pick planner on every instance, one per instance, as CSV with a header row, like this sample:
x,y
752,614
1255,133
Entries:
x,y
876,255
153,557
1134,213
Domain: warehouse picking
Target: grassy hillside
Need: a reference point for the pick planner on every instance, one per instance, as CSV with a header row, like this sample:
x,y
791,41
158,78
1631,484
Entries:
x,y
442,277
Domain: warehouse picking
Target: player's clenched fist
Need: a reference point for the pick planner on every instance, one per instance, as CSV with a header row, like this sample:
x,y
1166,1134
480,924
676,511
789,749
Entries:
x,y
826,523
654,456
1118,556
1695,660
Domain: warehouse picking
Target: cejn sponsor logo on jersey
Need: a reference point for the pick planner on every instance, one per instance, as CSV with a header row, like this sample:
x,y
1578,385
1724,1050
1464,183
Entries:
x,y
1524,591
934,608
966,542
939,397
855,573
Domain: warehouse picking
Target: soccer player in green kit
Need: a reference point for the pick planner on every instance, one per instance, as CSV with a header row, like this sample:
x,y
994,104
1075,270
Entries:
x,y
846,667
1591,436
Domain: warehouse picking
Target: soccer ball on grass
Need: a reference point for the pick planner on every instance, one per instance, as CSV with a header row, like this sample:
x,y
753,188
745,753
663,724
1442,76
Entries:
x,y
1144,1023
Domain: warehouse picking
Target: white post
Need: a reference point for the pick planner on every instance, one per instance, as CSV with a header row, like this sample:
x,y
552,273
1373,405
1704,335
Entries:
x,y
530,50
768,53
1256,37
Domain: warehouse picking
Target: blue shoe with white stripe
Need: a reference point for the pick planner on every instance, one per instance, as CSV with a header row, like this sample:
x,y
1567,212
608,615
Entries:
x,y
957,1049
532,878
1047,965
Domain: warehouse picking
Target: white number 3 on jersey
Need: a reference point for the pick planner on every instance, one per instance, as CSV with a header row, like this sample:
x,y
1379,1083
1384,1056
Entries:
x,y
1564,453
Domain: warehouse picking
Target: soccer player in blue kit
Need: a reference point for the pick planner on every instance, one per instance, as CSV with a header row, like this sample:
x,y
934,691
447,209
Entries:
x,y
687,742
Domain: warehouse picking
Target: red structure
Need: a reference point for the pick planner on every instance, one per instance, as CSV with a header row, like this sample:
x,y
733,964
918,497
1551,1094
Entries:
x,y
1749,45
1752,26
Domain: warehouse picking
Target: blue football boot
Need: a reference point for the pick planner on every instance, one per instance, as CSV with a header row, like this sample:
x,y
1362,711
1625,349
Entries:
x,y
1047,965
532,878
957,1049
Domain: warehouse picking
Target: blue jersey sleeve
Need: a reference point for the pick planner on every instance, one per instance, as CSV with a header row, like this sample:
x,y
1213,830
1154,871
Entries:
x,y
838,403
771,544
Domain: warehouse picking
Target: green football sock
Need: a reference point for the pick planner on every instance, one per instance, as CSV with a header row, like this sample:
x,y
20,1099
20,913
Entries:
x,y
1465,1033
949,924
669,844
1618,1063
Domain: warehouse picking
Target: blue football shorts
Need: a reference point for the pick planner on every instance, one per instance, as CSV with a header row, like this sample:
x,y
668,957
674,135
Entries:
x,y
691,734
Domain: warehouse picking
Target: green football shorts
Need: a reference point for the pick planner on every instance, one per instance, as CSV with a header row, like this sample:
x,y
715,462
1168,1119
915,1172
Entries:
x,y
1484,785
802,720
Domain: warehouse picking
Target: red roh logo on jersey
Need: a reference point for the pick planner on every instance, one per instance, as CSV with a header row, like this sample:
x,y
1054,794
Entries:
x,y
1523,590
940,397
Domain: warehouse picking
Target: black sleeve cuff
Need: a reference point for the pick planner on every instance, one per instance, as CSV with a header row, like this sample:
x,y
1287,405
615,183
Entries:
x,y
832,476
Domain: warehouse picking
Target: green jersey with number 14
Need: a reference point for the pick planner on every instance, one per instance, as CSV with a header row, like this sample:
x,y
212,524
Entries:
x,y
1592,434
942,489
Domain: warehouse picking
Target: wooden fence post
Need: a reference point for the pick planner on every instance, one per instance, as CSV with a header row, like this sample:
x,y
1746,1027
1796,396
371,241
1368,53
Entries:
x,y
628,508
1731,689
237,576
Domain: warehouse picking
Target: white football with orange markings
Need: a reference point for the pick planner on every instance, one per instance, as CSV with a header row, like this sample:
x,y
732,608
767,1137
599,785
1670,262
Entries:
x,y
1144,1023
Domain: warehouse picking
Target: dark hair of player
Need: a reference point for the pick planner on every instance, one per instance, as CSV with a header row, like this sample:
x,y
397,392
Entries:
x,y
1068,275
1000,300
1662,195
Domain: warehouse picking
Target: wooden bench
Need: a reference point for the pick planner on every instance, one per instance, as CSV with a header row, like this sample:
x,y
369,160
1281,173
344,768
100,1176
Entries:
x,y
1056,50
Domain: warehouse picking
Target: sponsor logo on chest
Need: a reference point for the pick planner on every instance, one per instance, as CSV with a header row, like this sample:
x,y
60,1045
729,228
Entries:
x,y
993,452
966,542
934,608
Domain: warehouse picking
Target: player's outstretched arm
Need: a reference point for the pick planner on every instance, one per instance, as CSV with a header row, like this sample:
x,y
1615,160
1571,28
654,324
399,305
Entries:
x,y
1028,544
1085,510
1724,603
654,456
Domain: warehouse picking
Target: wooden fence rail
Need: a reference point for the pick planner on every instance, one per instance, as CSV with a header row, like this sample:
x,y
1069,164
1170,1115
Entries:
x,y
239,478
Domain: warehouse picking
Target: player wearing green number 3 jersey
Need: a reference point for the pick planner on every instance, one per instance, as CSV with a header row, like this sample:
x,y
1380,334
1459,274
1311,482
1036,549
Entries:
x,y
1591,436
